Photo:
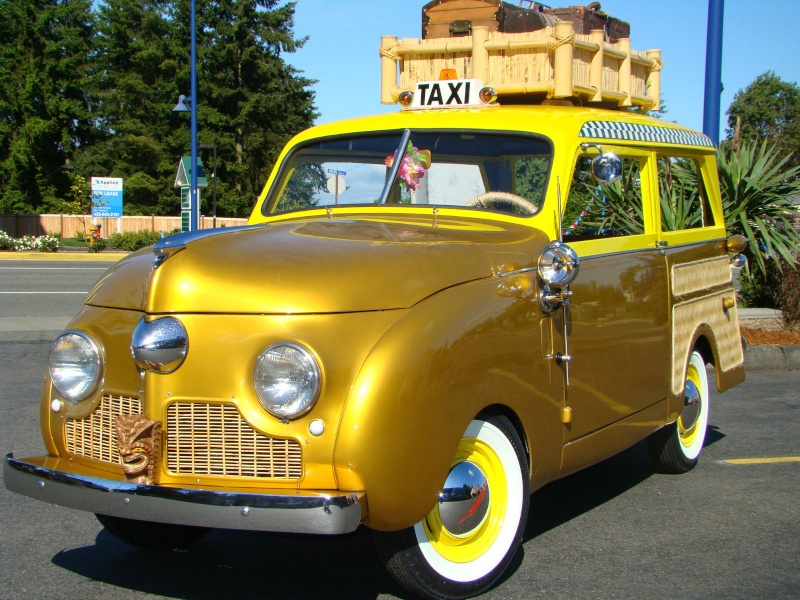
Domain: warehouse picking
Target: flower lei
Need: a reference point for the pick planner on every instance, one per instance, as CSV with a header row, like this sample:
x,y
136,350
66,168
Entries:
x,y
412,168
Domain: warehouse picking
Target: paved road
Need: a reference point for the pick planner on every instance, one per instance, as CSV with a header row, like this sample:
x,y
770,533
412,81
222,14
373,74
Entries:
x,y
617,530
40,295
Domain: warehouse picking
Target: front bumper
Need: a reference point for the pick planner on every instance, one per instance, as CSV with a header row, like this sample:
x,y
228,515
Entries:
x,y
295,512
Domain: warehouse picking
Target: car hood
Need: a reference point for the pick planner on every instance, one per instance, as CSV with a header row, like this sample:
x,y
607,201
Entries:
x,y
316,266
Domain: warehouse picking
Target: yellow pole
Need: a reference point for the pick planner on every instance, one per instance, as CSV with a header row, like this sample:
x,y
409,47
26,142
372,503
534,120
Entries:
x,y
625,71
388,68
562,60
597,36
480,55
654,79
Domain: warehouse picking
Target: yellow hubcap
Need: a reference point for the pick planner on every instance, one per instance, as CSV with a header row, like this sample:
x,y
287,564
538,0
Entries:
x,y
688,435
470,546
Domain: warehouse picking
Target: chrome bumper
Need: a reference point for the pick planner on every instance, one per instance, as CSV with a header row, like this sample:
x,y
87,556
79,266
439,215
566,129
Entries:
x,y
301,512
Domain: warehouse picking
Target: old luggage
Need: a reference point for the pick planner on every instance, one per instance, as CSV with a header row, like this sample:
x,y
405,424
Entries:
x,y
454,18
587,18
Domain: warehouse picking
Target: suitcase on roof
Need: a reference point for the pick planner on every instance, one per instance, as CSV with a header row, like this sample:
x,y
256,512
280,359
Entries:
x,y
587,18
455,18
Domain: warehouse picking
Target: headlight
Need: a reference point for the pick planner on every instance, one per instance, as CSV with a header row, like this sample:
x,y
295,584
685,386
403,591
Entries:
x,y
286,379
75,365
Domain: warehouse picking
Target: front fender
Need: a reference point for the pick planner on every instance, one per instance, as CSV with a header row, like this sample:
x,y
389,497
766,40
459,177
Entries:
x,y
429,375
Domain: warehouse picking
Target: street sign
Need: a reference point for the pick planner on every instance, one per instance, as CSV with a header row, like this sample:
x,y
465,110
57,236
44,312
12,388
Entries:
x,y
106,197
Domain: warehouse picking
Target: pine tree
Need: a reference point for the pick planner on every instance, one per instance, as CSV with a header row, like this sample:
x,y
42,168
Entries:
x,y
45,113
250,100
137,68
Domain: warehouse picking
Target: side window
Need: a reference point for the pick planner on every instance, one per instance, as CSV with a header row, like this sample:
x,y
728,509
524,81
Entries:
x,y
597,211
682,195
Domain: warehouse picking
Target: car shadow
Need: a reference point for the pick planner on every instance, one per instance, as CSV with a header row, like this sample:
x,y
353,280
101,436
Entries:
x,y
242,565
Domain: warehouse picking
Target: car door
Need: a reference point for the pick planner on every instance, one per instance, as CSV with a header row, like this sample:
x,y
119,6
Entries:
x,y
617,320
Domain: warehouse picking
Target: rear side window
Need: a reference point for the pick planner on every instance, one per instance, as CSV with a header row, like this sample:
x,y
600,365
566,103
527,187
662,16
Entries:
x,y
597,210
682,194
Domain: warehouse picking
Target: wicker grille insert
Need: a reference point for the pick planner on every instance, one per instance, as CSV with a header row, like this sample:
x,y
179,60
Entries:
x,y
94,436
214,439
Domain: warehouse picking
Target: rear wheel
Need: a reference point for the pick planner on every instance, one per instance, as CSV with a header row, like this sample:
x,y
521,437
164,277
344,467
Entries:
x,y
468,539
676,447
152,536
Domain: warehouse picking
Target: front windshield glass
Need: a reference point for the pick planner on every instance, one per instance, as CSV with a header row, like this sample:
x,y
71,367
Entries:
x,y
483,171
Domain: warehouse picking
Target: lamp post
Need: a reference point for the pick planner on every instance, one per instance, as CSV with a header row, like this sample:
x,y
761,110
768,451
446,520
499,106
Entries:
x,y
213,147
713,86
194,212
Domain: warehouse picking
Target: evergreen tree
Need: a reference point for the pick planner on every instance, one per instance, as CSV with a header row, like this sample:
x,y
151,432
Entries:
x,y
45,114
137,67
250,100
767,109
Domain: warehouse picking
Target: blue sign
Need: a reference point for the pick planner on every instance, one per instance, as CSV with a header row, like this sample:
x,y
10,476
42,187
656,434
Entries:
x,y
106,197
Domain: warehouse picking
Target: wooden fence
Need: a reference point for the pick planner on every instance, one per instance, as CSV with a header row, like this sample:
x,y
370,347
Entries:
x,y
69,226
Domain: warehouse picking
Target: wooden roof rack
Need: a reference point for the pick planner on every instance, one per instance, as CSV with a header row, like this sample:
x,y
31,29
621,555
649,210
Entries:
x,y
530,67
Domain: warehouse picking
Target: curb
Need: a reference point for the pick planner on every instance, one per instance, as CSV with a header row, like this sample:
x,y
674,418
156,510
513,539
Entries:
x,y
772,358
64,255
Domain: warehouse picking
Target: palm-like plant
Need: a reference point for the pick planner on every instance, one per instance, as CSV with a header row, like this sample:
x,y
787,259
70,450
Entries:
x,y
756,193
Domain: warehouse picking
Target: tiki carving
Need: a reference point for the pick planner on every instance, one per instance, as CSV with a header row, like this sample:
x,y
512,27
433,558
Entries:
x,y
138,439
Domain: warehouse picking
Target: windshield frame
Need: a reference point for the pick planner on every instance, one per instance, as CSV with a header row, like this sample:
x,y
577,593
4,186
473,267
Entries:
x,y
273,195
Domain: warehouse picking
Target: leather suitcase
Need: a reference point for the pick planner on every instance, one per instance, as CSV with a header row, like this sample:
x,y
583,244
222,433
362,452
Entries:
x,y
587,18
454,18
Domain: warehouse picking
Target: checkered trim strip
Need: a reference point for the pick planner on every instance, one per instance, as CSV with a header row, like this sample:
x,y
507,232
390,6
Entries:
x,y
614,130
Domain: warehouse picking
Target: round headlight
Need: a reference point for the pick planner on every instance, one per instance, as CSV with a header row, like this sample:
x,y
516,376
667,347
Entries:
x,y
286,379
75,365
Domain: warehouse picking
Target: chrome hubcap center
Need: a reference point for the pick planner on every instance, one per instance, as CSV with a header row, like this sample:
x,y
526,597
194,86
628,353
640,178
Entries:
x,y
692,404
464,501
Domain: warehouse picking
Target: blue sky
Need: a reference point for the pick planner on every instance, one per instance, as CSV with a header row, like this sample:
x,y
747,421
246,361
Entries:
x,y
342,49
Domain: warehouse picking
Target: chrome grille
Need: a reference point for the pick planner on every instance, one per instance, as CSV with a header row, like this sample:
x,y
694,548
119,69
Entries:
x,y
214,439
94,436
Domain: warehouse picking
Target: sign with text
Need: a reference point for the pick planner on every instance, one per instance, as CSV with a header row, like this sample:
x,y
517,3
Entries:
x,y
107,197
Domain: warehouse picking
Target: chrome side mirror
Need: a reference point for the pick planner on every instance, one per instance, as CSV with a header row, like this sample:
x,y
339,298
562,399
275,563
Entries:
x,y
606,167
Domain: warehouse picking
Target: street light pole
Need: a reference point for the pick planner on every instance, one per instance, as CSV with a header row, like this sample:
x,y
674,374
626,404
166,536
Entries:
x,y
713,87
194,216
213,147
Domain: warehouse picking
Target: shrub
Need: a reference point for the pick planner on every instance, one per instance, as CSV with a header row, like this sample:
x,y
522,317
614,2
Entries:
x,y
45,243
97,245
6,241
133,240
787,296
757,289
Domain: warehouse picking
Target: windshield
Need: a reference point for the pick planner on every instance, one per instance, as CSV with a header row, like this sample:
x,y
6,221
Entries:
x,y
484,171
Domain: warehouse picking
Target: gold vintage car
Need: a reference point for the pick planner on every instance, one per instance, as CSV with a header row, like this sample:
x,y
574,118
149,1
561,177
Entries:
x,y
431,314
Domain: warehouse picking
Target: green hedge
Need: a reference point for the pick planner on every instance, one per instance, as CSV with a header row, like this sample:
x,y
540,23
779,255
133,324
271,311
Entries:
x,y
133,240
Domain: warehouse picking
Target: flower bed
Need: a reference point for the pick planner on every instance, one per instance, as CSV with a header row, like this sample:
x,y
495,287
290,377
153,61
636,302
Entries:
x,y
44,243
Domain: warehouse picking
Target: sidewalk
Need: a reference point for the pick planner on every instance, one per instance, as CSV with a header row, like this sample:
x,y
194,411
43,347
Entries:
x,y
763,358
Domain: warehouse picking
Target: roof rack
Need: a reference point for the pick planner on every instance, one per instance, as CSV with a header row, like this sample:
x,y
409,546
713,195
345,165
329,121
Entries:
x,y
553,63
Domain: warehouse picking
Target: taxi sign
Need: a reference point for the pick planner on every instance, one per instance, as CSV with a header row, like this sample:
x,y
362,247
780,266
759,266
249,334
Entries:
x,y
455,93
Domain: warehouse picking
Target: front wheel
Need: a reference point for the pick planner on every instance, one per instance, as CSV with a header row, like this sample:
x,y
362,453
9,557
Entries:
x,y
151,536
676,447
469,538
